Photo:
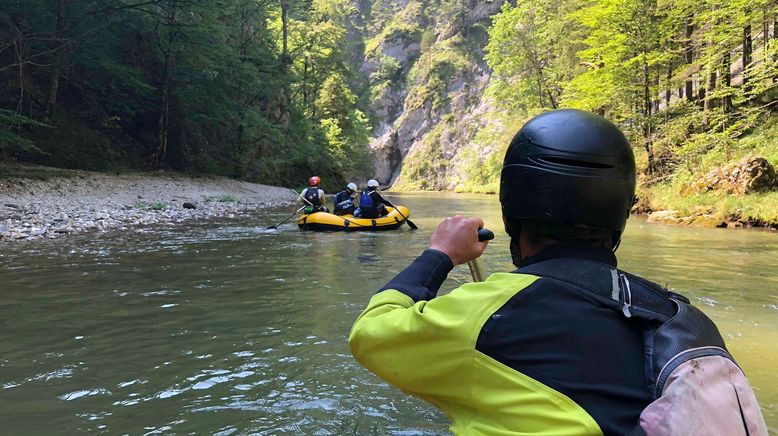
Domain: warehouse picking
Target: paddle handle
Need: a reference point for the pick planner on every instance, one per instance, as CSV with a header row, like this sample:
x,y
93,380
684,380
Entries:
x,y
301,196
475,265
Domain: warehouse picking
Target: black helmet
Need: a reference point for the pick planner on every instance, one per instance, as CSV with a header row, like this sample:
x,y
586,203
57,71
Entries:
x,y
572,167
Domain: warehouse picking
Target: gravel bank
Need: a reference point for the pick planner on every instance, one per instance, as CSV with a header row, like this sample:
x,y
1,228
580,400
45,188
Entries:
x,y
85,201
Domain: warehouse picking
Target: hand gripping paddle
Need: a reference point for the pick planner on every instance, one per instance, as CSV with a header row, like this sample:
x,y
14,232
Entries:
x,y
476,268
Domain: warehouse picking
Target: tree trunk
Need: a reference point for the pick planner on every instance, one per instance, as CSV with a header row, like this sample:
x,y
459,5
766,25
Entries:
x,y
21,60
668,91
689,52
726,80
765,30
59,61
709,103
164,112
167,78
747,53
285,35
304,84
647,113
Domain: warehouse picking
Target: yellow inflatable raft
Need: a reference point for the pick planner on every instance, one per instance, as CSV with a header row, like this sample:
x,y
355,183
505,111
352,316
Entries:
x,y
329,221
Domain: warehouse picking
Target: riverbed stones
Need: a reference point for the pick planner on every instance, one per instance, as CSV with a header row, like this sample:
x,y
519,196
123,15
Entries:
x,y
665,216
62,206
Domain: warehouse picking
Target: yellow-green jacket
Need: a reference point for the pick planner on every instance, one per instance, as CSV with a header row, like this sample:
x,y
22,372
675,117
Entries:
x,y
516,354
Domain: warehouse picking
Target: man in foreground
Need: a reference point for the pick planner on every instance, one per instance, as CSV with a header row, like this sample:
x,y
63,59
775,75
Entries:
x,y
559,346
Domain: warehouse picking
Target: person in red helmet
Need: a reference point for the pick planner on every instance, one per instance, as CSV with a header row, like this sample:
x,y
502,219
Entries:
x,y
314,196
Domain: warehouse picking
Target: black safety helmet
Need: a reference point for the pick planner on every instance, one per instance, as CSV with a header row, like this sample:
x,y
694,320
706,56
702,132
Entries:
x,y
571,167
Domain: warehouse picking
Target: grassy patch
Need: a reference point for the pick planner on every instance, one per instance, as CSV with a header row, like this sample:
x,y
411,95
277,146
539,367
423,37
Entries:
x,y
16,171
759,208
221,199
157,205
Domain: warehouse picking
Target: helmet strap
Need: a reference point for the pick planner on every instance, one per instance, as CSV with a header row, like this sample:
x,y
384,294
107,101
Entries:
x,y
515,248
616,241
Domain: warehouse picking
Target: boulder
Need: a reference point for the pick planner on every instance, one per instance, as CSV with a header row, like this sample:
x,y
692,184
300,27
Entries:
x,y
664,216
748,175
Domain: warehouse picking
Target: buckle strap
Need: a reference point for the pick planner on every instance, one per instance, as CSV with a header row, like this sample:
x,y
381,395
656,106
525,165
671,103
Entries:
x,y
630,295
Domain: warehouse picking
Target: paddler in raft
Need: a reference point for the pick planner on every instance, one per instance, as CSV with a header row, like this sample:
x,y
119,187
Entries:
x,y
567,344
371,203
344,200
314,196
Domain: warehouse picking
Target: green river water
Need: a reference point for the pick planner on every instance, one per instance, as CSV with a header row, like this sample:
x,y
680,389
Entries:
x,y
225,327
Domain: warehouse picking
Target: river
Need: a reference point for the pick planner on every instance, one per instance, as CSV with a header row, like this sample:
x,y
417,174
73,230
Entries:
x,y
226,327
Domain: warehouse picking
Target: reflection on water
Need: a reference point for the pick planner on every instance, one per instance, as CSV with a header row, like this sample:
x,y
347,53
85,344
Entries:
x,y
230,328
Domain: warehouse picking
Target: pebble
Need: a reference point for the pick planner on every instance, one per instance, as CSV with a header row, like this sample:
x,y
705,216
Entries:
x,y
61,207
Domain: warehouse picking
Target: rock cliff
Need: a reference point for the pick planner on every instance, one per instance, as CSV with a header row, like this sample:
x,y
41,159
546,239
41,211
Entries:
x,y
427,77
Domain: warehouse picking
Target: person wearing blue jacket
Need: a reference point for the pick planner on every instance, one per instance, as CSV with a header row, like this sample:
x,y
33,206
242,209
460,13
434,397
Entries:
x,y
344,200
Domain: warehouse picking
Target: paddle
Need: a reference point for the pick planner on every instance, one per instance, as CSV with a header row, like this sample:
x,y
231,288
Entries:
x,y
300,195
410,223
287,218
476,268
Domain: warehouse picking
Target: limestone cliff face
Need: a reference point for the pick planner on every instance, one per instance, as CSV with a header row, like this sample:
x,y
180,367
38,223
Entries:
x,y
428,78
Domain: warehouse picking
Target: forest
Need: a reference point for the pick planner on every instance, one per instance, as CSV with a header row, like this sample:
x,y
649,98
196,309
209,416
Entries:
x,y
260,90
692,83
422,94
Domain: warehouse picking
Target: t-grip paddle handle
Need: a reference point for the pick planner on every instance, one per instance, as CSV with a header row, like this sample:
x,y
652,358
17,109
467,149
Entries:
x,y
485,235
476,269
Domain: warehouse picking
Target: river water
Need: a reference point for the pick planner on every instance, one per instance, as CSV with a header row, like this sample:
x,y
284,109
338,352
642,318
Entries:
x,y
226,327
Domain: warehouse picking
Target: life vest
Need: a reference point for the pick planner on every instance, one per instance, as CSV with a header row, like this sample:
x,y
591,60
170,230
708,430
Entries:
x,y
696,385
366,201
312,195
344,203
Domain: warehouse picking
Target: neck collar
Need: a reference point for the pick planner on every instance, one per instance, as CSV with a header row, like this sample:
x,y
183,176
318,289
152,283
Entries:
x,y
572,249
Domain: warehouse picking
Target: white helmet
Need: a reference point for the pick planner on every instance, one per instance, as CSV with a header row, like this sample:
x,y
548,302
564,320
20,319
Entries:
x,y
372,183
352,186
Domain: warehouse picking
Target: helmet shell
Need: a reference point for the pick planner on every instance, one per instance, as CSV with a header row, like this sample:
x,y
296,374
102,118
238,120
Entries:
x,y
372,183
569,166
351,187
314,181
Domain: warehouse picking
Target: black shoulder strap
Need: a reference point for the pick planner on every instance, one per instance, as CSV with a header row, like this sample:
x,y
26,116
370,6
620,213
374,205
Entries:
x,y
627,293
684,333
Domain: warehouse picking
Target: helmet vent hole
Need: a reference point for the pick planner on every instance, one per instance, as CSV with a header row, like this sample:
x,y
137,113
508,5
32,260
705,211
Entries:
x,y
573,163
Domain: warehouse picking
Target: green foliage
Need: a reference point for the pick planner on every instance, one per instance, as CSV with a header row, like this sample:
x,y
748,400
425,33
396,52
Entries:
x,y
403,25
11,139
191,85
422,168
629,60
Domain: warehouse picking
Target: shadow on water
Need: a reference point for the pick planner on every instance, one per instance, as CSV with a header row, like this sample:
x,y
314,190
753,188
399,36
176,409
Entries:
x,y
227,327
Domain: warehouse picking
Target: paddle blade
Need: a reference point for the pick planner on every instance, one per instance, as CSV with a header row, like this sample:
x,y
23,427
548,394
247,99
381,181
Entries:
x,y
411,224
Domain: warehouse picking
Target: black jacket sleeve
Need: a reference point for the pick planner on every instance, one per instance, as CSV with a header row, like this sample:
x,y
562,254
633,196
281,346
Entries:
x,y
422,278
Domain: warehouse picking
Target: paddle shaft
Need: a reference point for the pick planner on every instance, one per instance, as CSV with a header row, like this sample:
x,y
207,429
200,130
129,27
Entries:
x,y
475,265
300,195
287,218
407,220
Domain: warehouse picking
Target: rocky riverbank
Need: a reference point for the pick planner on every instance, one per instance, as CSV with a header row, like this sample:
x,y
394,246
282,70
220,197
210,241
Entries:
x,y
77,201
